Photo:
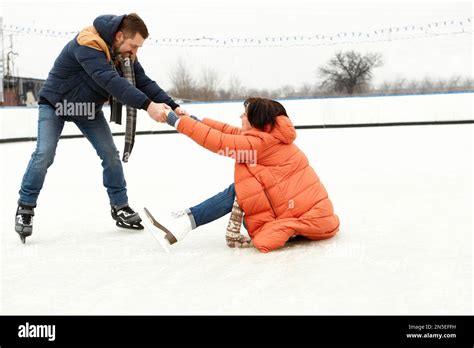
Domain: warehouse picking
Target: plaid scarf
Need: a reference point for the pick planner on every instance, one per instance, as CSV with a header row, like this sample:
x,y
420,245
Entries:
x,y
126,66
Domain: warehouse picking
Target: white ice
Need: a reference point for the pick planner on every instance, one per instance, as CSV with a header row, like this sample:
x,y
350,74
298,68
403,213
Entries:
x,y
403,194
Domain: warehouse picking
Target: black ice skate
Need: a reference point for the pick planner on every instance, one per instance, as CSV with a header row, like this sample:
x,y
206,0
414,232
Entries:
x,y
126,217
24,221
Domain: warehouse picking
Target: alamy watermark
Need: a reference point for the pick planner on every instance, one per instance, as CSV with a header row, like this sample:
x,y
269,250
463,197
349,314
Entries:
x,y
37,331
78,109
240,156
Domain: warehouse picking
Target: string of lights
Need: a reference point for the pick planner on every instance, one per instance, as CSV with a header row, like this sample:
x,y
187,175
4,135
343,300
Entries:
x,y
406,32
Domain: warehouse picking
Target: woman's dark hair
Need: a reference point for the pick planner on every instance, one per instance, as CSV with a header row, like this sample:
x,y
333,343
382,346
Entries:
x,y
262,112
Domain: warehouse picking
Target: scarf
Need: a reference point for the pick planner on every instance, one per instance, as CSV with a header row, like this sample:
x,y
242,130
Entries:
x,y
126,66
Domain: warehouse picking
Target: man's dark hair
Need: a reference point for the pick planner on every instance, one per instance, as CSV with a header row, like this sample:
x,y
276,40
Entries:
x,y
262,112
132,24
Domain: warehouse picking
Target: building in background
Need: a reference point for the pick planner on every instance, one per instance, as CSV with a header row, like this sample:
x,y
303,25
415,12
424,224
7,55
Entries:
x,y
15,90
20,91
1,60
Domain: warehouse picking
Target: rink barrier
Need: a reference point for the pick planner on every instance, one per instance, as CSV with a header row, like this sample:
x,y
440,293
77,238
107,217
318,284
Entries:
x,y
19,124
320,126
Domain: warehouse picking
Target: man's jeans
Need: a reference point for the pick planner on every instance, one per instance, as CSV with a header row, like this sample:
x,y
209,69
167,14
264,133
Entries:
x,y
213,208
97,131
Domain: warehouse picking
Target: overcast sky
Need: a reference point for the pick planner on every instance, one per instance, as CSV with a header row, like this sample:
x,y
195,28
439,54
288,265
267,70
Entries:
x,y
440,56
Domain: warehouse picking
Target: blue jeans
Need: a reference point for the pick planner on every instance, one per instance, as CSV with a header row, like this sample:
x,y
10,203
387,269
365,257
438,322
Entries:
x,y
213,208
97,131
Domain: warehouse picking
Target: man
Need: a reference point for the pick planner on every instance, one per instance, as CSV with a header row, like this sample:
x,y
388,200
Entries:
x,y
86,73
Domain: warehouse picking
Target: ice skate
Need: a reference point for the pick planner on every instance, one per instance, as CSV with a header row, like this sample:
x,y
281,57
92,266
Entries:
x,y
126,217
24,221
170,229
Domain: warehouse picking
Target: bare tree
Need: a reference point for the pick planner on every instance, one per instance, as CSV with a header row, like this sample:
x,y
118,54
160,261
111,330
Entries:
x,y
287,91
426,84
209,84
349,72
264,93
454,82
441,84
235,88
223,94
386,86
183,83
413,85
468,82
399,85
395,86
306,90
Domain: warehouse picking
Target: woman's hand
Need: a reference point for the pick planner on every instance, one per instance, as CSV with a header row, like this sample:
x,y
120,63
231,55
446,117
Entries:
x,y
179,111
158,111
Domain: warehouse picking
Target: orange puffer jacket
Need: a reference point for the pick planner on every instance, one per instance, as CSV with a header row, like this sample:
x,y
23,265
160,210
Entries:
x,y
279,192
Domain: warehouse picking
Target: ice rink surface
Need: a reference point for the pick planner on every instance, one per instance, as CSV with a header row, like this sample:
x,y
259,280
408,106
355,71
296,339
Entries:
x,y
403,194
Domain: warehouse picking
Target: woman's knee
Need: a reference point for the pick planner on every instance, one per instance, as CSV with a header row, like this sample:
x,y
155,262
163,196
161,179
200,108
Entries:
x,y
230,190
229,194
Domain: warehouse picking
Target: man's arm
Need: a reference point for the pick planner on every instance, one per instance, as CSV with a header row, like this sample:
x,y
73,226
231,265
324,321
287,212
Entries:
x,y
94,63
151,88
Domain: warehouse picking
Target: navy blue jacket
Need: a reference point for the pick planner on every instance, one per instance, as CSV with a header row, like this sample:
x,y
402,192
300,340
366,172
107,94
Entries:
x,y
83,72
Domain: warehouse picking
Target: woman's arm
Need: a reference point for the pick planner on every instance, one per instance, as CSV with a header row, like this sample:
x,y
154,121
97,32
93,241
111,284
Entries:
x,y
220,126
223,127
243,148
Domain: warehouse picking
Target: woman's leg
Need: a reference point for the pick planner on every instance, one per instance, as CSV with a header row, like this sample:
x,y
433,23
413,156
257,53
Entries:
x,y
185,221
212,208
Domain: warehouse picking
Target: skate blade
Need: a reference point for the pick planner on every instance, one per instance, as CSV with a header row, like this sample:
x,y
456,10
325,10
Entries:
x,y
157,233
23,235
169,236
138,226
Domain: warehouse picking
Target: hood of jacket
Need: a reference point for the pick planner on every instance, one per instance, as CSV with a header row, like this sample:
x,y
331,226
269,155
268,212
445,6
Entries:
x,y
107,26
283,130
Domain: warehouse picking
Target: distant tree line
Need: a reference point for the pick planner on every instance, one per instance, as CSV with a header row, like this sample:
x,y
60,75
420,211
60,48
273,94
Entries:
x,y
347,73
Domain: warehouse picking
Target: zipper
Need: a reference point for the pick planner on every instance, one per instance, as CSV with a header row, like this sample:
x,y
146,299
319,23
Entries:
x,y
269,201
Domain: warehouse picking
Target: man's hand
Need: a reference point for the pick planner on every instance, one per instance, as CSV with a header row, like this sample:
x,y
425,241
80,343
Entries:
x,y
158,111
179,111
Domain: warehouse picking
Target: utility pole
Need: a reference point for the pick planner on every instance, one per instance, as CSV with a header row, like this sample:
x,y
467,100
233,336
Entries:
x,y
11,60
10,79
2,99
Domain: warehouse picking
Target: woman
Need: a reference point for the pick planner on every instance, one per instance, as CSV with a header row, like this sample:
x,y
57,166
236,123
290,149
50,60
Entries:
x,y
280,194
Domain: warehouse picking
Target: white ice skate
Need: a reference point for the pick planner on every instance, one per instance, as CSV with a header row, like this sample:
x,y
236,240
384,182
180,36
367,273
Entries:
x,y
169,230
